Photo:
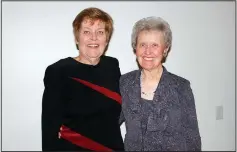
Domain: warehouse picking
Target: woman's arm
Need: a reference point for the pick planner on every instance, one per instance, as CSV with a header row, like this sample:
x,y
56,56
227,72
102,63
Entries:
x,y
121,118
189,119
52,108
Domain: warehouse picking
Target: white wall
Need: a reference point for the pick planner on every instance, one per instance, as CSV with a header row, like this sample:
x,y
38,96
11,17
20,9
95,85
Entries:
x,y
1,77
36,34
235,77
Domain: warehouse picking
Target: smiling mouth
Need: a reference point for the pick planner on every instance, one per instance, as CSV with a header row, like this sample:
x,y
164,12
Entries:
x,y
93,45
147,58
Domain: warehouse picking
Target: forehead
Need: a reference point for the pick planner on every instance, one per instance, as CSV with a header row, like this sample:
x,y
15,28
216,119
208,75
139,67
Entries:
x,y
150,36
150,33
93,23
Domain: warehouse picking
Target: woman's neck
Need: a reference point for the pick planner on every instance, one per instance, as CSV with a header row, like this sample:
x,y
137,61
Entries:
x,y
87,60
149,82
152,75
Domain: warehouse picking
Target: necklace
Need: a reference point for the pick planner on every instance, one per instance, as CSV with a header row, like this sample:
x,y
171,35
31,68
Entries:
x,y
146,93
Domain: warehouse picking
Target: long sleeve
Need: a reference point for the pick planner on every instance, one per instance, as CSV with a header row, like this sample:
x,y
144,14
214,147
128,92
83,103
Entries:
x,y
121,118
52,104
118,72
189,119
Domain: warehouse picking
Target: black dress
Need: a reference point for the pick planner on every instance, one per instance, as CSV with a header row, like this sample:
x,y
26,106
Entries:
x,y
84,98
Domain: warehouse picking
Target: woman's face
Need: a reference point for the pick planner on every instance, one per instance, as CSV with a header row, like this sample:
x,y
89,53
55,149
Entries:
x,y
91,39
150,49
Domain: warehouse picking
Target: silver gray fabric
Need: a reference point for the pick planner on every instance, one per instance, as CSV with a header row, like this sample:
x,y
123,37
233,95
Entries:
x,y
172,123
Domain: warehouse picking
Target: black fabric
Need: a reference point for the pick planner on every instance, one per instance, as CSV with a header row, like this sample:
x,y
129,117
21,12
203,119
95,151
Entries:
x,y
84,110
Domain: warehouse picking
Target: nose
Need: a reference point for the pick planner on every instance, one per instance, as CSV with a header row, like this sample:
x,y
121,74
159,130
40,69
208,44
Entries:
x,y
147,50
93,36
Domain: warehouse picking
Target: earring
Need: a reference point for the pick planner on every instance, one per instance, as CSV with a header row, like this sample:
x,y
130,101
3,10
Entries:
x,y
165,54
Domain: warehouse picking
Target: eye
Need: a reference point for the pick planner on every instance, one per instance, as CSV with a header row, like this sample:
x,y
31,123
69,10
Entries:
x,y
154,45
142,45
101,32
86,32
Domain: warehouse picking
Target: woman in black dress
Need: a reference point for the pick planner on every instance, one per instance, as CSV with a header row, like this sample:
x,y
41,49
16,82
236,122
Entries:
x,y
81,101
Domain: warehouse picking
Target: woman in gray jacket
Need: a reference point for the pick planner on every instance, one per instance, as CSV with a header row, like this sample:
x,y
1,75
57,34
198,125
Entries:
x,y
157,106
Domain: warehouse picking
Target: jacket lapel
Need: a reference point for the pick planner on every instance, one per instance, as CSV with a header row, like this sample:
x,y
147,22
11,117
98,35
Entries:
x,y
158,119
134,94
161,92
160,99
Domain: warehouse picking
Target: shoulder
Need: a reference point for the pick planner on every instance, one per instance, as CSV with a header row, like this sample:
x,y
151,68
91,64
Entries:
x,y
57,66
180,83
60,63
178,80
110,60
128,77
184,89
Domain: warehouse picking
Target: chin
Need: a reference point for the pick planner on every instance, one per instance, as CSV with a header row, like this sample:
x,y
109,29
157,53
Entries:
x,y
146,68
94,55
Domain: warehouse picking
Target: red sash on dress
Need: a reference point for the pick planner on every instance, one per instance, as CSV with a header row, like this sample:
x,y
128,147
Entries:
x,y
108,93
82,141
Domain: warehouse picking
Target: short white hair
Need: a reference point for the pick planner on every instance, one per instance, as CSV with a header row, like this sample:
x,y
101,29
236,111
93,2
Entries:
x,y
152,23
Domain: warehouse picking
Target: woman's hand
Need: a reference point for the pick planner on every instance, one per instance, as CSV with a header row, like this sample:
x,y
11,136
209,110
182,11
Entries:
x,y
59,134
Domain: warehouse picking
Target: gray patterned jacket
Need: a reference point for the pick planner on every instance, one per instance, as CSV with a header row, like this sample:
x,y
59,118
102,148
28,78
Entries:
x,y
172,125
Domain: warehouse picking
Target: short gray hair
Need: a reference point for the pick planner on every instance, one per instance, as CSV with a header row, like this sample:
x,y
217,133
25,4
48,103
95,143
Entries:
x,y
152,23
